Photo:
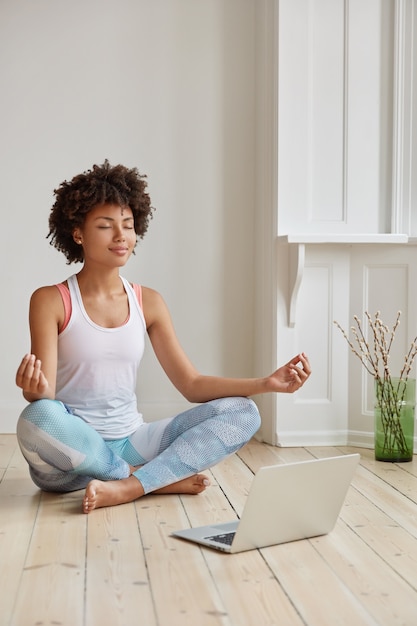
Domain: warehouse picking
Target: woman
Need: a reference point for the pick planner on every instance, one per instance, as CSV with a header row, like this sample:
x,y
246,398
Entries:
x,y
81,428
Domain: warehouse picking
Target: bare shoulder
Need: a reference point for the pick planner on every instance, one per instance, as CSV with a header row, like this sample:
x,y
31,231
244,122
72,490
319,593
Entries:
x,y
154,306
45,295
47,301
46,290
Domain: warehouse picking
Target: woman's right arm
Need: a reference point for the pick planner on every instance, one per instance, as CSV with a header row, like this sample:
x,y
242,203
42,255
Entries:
x,y
36,375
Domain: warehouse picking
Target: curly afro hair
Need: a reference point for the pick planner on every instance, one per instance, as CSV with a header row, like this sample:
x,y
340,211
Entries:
x,y
102,184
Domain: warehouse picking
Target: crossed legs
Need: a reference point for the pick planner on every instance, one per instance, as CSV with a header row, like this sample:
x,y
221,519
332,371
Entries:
x,y
65,454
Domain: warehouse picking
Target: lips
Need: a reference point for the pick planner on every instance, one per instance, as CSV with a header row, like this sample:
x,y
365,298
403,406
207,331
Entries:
x,y
119,250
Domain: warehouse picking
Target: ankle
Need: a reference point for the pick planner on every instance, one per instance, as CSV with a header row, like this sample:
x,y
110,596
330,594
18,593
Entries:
x,y
133,487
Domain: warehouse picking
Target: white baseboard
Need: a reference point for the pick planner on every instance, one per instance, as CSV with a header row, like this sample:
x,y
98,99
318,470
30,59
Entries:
x,y
354,438
312,438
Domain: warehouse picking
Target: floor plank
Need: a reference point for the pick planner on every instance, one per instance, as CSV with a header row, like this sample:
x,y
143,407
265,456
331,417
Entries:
x,y
313,588
116,570
19,502
53,578
398,506
182,586
381,591
393,543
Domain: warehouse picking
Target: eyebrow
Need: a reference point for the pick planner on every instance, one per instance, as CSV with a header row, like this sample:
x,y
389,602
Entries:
x,y
111,219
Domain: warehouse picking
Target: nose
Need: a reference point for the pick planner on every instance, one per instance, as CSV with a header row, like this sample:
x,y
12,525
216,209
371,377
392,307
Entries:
x,y
119,234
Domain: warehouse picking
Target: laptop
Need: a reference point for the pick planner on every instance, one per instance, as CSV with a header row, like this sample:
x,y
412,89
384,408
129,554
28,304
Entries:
x,y
286,502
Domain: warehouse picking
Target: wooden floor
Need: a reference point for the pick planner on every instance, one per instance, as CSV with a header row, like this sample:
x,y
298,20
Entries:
x,y
120,565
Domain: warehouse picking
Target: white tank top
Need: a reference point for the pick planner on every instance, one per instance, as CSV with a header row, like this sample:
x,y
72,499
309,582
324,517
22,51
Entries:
x,y
97,367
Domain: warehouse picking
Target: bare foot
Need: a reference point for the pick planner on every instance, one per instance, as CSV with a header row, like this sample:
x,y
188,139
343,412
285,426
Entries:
x,y
100,493
191,485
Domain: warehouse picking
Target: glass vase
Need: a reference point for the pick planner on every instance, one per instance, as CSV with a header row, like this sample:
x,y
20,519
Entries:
x,y
394,407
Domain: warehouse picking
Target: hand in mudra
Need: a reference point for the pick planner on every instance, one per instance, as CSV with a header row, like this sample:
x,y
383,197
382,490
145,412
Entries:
x,y
291,376
29,375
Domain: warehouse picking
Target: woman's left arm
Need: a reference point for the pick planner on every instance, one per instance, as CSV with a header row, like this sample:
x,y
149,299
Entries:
x,y
196,387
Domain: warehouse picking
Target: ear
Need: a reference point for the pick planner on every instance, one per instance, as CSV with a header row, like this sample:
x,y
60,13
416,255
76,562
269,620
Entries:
x,y
77,236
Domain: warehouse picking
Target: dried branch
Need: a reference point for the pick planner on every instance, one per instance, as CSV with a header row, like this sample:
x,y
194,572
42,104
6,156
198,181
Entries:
x,y
376,361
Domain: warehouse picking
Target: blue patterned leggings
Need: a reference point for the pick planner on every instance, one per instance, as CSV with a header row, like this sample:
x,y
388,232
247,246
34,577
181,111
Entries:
x,y
64,453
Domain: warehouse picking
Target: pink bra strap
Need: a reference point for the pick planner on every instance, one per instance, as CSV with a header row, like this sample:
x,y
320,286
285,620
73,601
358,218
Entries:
x,y
138,291
66,299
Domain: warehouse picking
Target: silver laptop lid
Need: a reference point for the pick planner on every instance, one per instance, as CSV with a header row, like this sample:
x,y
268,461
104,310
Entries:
x,y
285,503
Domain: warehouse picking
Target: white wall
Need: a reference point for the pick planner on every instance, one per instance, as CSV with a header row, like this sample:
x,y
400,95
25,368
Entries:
x,y
167,86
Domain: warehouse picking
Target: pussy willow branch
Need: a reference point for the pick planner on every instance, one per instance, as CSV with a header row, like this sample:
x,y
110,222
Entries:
x,y
383,339
361,356
380,332
409,359
363,343
394,330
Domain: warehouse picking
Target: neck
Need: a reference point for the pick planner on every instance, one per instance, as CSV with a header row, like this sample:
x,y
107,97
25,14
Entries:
x,y
99,281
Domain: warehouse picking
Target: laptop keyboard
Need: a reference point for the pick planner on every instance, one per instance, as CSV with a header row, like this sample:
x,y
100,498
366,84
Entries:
x,y
226,538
